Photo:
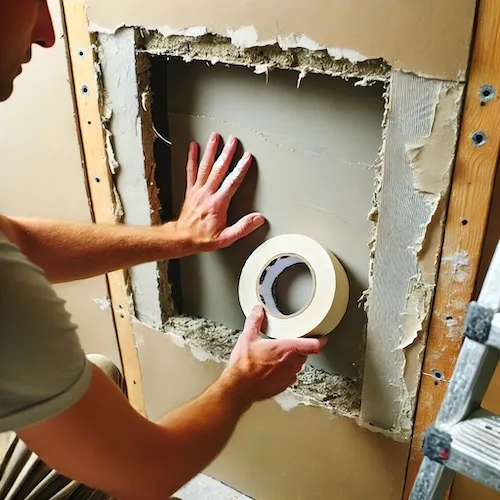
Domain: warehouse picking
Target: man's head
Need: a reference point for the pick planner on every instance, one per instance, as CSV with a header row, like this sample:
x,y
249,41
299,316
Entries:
x,y
22,23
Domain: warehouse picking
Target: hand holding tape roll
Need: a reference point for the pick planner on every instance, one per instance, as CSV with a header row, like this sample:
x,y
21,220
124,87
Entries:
x,y
330,286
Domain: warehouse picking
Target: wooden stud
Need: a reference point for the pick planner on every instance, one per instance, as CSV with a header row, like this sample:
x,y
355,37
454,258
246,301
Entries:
x,y
468,210
100,181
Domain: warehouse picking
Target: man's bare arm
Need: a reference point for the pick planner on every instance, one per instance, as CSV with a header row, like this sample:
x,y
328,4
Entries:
x,y
69,251
102,442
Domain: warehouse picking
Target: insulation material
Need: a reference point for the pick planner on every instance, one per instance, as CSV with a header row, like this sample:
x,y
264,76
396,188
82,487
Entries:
x,y
211,341
347,30
421,134
263,60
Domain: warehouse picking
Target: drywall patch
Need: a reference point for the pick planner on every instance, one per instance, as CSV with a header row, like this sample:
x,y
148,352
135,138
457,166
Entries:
x,y
420,140
218,49
208,340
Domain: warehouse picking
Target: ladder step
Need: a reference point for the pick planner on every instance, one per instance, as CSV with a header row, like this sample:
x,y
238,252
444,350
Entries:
x,y
471,447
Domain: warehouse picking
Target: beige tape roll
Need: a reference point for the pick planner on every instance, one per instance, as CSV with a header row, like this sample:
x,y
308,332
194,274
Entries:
x,y
330,286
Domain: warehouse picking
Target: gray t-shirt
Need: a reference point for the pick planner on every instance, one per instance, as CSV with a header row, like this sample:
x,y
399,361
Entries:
x,y
43,369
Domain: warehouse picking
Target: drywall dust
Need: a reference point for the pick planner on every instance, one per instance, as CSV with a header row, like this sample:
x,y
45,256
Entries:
x,y
208,340
218,49
459,266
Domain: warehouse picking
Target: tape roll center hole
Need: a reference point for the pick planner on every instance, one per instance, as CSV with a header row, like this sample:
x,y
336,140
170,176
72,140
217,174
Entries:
x,y
286,286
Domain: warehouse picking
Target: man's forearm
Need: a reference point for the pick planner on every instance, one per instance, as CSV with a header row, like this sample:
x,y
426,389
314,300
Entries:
x,y
129,457
69,251
199,430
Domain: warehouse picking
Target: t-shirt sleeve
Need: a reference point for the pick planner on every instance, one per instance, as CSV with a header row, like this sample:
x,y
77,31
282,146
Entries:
x,y
43,369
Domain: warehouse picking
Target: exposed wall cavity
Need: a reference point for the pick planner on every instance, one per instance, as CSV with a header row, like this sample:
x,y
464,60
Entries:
x,y
421,134
334,152
211,341
427,38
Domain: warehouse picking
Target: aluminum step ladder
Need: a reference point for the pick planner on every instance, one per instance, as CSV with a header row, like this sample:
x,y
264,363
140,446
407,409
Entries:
x,y
465,438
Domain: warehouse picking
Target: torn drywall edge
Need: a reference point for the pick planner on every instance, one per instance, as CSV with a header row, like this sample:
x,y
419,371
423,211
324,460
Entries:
x,y
217,49
391,407
304,54
246,37
247,30
208,340
120,109
149,135
393,434
378,167
432,168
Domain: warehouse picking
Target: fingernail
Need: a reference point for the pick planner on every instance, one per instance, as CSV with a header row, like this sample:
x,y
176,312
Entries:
x,y
247,156
232,140
257,309
214,137
258,220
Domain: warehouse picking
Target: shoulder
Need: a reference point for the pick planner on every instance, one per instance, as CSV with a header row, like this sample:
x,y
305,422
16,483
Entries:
x,y
43,368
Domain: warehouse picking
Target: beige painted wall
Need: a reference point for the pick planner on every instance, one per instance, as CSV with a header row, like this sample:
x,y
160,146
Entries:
x,y
426,37
42,175
275,454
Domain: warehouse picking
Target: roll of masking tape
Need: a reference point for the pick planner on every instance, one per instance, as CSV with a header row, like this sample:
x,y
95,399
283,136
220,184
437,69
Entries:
x,y
330,286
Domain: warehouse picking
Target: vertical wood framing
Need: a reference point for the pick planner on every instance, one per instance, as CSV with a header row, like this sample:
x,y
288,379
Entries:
x,y
468,211
100,182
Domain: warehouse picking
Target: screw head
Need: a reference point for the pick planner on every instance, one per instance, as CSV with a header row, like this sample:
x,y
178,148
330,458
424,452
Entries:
x,y
479,138
486,93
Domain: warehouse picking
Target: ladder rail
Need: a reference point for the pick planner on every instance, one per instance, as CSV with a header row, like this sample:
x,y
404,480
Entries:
x,y
455,442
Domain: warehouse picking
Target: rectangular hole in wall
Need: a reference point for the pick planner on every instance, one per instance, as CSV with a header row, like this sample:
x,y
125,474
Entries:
x,y
314,148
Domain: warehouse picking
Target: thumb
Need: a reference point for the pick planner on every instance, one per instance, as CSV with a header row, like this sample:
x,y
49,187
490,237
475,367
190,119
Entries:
x,y
240,229
253,323
307,346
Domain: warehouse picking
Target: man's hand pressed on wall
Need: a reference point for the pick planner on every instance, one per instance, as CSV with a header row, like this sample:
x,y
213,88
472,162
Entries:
x,y
69,251
209,191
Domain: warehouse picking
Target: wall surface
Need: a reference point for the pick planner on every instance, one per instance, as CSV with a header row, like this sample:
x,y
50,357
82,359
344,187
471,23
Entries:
x,y
411,175
315,147
304,453
42,174
425,37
